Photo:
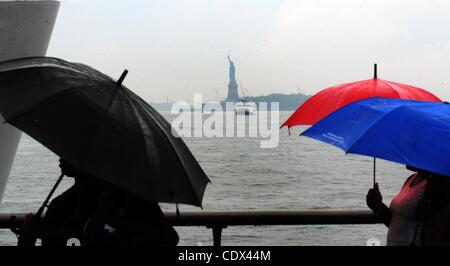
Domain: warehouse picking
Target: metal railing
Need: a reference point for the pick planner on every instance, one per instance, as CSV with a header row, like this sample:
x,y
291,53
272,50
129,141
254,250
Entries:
x,y
217,221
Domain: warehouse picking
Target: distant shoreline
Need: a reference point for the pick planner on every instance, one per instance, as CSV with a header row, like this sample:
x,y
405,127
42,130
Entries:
x,y
287,102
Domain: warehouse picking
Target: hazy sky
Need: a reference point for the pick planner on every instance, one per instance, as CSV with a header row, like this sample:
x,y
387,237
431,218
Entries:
x,y
175,48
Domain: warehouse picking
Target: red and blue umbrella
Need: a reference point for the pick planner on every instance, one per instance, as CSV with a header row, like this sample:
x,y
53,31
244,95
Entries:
x,y
331,99
414,133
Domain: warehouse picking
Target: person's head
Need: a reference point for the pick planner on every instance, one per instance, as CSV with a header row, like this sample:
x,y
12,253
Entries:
x,y
418,170
412,168
69,170
415,169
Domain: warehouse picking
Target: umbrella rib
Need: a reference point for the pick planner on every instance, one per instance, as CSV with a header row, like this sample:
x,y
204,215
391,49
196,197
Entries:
x,y
104,118
390,86
371,128
51,65
172,144
54,65
131,105
118,123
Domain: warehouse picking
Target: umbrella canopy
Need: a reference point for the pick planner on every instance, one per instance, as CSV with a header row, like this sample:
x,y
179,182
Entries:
x,y
414,133
101,127
331,99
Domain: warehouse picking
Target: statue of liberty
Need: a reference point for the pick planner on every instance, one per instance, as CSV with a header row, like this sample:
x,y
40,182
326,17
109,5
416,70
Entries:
x,y
232,85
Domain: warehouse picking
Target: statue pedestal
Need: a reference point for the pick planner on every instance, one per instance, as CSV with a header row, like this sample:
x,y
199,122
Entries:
x,y
26,28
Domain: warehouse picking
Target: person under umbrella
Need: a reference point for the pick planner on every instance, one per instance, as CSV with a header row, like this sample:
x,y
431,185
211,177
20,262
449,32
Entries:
x,y
328,100
101,128
419,214
412,133
98,214
67,213
124,219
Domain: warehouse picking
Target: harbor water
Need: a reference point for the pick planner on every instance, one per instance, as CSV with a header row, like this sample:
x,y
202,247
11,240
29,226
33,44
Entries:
x,y
298,174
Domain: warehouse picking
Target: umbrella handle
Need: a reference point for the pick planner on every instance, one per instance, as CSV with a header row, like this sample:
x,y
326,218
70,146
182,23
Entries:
x,y
41,209
26,240
374,171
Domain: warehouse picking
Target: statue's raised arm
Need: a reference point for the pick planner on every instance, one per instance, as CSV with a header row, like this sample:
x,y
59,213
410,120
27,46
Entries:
x,y
232,70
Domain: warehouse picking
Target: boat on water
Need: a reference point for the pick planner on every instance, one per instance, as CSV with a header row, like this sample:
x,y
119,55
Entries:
x,y
245,107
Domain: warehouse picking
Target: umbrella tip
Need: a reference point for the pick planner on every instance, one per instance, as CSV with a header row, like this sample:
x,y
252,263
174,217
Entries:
x,y
122,77
375,74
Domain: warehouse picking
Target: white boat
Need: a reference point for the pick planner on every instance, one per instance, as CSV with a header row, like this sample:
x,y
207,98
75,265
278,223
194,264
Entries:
x,y
245,107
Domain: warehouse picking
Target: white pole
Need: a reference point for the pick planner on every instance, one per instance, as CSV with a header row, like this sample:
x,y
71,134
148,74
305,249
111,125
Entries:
x,y
25,30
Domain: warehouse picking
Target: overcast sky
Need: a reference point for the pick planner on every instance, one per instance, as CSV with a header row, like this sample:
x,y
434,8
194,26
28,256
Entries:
x,y
175,48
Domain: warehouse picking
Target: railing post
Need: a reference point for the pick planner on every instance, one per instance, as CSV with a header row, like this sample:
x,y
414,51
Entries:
x,y
217,234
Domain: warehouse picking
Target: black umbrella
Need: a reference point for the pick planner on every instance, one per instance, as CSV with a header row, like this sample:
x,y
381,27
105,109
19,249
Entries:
x,y
101,127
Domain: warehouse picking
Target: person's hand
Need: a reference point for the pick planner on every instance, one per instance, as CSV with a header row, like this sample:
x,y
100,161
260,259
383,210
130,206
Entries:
x,y
33,225
374,199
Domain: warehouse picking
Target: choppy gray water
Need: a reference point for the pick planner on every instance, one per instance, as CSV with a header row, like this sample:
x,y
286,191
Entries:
x,y
299,174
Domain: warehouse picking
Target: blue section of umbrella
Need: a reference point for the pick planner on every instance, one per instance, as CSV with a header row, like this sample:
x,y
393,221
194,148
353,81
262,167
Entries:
x,y
414,133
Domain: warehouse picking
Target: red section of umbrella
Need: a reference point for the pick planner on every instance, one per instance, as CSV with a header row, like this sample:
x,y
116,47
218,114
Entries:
x,y
329,100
